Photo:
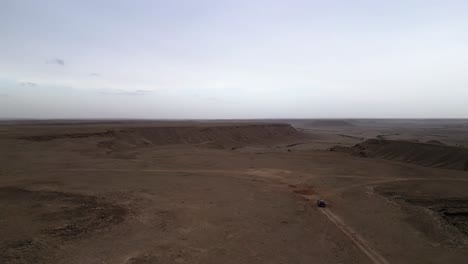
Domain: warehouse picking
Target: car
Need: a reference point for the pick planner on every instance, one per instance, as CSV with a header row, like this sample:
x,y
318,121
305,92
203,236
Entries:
x,y
321,203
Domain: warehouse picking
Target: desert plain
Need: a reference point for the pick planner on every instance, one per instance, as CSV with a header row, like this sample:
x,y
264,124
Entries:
x,y
234,191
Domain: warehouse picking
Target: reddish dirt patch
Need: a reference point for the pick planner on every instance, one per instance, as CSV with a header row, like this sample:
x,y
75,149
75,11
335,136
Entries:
x,y
304,192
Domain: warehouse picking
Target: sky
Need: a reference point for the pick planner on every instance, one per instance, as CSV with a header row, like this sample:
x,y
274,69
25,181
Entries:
x,y
216,59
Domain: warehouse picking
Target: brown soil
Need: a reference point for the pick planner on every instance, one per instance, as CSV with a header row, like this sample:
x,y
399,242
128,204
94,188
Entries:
x,y
60,218
424,154
222,136
233,192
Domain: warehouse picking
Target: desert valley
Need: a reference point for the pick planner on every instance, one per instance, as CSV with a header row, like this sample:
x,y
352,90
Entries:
x,y
238,191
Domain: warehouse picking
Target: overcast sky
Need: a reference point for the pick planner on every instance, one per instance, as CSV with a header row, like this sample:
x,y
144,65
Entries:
x,y
233,59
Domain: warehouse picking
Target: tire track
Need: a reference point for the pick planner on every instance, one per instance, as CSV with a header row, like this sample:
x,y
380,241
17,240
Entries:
x,y
360,242
357,239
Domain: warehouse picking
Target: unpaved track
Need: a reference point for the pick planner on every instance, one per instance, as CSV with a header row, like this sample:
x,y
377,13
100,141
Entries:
x,y
357,239
357,185
155,170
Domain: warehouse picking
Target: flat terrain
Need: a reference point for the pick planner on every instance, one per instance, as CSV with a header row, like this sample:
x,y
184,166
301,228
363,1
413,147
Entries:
x,y
234,191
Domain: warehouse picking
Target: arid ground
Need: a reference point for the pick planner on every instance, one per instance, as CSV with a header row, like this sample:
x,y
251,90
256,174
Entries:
x,y
135,192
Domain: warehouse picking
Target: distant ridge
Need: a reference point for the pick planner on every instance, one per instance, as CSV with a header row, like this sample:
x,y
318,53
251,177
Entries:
x,y
330,123
431,154
209,135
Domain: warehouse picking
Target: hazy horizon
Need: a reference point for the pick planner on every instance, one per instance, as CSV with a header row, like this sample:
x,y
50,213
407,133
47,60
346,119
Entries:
x,y
233,59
